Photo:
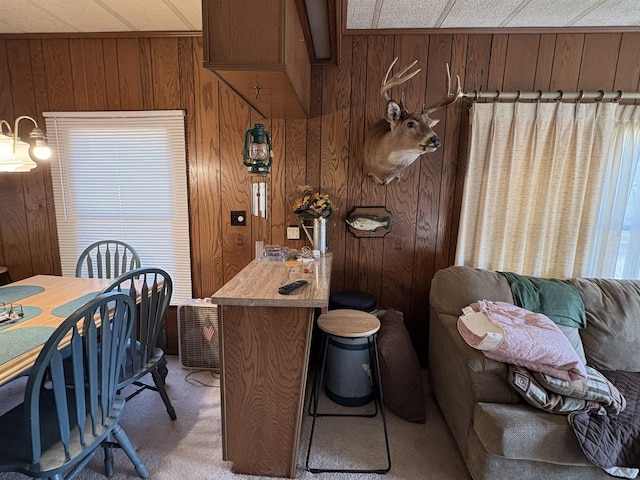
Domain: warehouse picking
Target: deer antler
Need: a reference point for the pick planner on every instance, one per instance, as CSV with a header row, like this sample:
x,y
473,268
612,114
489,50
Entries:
x,y
397,79
451,97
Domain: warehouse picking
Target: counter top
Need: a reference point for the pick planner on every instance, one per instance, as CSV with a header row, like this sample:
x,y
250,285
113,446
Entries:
x,y
257,285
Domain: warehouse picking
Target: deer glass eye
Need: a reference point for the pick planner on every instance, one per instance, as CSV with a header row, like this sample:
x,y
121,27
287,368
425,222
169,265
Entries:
x,y
411,124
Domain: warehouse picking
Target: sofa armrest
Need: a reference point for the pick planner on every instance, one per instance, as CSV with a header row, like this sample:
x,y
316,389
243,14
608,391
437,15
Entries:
x,y
459,375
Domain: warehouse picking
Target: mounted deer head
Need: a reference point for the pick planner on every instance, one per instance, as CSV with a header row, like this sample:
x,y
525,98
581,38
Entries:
x,y
396,141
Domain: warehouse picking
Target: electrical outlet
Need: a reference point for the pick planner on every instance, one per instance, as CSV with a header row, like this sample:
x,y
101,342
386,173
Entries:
x,y
293,232
238,218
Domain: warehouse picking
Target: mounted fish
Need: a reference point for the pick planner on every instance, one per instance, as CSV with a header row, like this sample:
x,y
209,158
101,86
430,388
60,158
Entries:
x,y
369,221
396,141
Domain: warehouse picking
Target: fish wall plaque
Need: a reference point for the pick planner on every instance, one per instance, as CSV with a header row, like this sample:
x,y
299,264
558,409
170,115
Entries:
x,y
369,221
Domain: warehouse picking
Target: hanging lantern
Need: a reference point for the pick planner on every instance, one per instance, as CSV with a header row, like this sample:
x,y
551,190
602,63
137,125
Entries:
x,y
257,154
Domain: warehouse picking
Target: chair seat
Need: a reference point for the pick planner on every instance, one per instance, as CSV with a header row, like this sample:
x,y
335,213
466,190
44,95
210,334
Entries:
x,y
15,442
131,374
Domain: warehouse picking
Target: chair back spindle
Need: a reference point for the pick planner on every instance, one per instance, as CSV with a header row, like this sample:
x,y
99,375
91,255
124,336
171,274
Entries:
x,y
107,259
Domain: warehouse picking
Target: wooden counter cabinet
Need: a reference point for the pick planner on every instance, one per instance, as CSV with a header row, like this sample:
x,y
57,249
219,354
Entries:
x,y
265,342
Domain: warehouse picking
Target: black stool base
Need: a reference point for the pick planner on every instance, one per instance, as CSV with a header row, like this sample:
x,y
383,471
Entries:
x,y
348,401
378,401
318,470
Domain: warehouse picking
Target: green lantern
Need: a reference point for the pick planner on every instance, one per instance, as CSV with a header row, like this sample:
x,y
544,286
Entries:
x,y
257,154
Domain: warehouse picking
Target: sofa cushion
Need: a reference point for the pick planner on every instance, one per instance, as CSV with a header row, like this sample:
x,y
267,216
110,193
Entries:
x,y
523,433
612,337
573,335
400,369
456,287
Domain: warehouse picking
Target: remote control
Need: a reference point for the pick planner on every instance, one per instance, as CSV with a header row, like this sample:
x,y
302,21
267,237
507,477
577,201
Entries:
x,y
290,287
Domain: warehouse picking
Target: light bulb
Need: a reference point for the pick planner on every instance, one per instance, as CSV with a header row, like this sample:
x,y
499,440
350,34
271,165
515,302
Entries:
x,y
41,150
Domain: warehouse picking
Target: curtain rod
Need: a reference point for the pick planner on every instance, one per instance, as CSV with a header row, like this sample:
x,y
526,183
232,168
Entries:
x,y
559,95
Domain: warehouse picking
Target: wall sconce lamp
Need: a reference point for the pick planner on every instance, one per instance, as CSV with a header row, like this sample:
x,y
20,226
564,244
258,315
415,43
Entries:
x,y
257,156
15,155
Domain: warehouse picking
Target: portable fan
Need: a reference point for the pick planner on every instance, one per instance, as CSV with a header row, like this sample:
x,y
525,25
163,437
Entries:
x,y
198,339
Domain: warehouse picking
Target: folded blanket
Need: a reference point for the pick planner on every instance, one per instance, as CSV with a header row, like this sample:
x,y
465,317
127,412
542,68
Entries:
x,y
559,396
555,298
530,340
612,442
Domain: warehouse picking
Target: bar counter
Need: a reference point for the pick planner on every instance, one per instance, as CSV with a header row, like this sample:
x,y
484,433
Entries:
x,y
265,340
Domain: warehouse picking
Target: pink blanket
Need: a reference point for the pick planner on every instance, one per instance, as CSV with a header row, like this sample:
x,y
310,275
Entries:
x,y
531,340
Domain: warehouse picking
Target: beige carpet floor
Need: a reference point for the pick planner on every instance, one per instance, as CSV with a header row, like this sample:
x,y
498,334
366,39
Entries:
x,y
190,447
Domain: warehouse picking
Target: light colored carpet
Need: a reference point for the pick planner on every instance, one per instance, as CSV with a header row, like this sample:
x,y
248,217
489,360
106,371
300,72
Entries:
x,y
190,447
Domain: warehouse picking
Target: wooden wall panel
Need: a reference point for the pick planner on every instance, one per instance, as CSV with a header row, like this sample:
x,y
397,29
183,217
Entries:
x,y
335,152
520,65
129,68
544,63
325,150
598,68
355,178
112,86
628,68
380,54
566,62
41,199
236,241
448,216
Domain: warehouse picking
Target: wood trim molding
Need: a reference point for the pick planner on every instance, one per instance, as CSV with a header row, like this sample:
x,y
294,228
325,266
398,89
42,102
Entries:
x,y
480,31
172,34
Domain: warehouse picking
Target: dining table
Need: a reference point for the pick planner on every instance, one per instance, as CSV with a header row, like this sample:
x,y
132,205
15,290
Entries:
x,y
39,304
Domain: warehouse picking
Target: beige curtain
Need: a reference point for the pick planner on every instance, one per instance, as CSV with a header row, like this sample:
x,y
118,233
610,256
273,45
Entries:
x,y
533,186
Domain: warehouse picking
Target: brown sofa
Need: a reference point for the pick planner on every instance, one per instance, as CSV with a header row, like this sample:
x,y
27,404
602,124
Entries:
x,y
499,435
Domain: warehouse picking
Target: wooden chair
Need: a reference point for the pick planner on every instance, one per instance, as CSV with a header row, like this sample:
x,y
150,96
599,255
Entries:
x,y
107,259
68,414
152,287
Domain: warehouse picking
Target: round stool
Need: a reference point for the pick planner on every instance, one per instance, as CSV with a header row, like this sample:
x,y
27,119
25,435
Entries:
x,y
353,299
349,324
4,275
348,372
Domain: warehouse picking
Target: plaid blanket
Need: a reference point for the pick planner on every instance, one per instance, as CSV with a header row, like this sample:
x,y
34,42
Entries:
x,y
555,395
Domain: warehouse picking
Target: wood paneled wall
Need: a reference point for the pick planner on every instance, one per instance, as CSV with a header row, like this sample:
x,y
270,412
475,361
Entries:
x,y
62,74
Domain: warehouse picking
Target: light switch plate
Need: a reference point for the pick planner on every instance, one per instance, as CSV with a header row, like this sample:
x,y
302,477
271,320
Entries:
x,y
293,232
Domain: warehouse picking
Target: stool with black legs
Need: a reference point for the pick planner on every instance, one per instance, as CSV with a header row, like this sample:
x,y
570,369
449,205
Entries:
x,y
352,324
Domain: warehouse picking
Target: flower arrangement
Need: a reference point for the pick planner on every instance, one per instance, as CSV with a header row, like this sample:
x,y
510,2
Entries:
x,y
312,204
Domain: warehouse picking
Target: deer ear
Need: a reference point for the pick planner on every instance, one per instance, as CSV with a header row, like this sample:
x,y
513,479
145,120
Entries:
x,y
433,122
394,113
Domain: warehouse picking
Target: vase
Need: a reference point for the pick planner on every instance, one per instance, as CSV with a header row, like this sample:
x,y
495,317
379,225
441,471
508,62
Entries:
x,y
318,236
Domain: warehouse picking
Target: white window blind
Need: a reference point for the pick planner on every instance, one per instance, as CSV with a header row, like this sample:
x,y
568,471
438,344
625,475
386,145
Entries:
x,y
122,176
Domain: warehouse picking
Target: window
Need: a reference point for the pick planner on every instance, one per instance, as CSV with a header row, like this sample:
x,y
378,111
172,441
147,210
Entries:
x,y
122,176
627,149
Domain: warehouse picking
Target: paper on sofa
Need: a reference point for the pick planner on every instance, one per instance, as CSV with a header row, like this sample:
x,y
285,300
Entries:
x,y
490,334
